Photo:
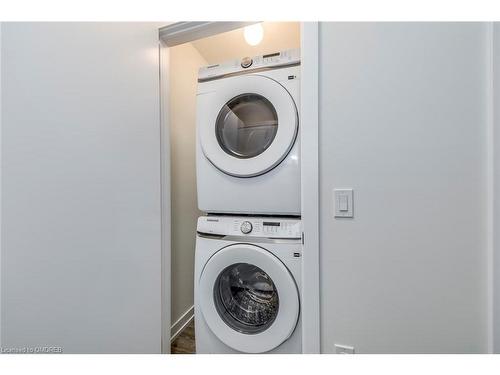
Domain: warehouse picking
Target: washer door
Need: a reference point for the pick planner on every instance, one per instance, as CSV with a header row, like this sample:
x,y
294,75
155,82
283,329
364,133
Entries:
x,y
248,298
247,125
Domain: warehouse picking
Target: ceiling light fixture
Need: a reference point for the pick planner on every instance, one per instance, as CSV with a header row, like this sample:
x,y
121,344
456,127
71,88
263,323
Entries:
x,y
253,34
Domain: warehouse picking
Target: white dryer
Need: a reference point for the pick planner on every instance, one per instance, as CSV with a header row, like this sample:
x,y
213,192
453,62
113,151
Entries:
x,y
247,285
247,135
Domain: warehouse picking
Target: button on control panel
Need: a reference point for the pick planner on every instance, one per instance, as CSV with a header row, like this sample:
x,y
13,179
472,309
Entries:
x,y
246,227
246,62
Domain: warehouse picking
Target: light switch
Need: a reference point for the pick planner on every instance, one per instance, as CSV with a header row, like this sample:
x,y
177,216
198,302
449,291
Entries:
x,y
343,202
343,205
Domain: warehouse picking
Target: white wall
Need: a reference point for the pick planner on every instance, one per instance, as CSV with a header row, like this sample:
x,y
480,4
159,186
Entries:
x,y
403,121
81,187
184,64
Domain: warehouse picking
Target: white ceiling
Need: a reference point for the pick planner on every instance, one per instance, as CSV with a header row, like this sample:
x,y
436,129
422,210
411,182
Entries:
x,y
278,36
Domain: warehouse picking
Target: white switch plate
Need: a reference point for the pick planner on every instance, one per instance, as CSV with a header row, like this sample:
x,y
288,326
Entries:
x,y
343,202
344,349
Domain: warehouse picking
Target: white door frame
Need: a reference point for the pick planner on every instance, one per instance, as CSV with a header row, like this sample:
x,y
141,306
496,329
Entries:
x,y
494,190
183,32
309,154
166,254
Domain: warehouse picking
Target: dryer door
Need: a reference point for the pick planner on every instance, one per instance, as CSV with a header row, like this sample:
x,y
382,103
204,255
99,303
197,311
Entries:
x,y
248,298
247,124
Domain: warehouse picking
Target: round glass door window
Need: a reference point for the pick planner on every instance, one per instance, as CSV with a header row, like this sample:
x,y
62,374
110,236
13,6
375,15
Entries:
x,y
246,126
246,298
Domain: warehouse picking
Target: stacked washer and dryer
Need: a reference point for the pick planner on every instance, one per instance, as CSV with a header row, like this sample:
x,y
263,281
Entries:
x,y
249,245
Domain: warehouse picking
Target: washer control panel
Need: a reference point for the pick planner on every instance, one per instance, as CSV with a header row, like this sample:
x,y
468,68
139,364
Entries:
x,y
277,59
268,227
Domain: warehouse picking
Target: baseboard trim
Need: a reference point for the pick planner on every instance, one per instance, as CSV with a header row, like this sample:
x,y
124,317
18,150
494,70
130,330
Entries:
x,y
181,323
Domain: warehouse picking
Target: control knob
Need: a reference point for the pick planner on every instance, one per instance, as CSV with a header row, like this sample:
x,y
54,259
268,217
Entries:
x,y
246,62
246,227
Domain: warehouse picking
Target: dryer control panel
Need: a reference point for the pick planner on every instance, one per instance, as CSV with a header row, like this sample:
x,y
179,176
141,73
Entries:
x,y
247,64
267,227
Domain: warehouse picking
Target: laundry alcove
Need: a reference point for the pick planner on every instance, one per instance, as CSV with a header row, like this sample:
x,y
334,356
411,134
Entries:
x,y
184,48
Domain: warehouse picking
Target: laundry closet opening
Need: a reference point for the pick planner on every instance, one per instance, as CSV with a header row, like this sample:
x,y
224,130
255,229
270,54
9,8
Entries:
x,y
247,125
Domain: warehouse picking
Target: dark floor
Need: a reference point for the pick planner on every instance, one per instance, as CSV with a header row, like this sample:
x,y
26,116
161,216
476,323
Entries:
x,y
184,343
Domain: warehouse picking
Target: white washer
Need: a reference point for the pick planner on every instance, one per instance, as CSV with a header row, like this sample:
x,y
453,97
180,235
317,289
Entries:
x,y
247,285
247,136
